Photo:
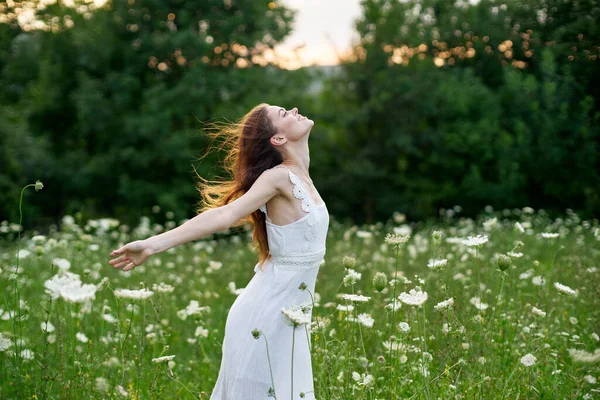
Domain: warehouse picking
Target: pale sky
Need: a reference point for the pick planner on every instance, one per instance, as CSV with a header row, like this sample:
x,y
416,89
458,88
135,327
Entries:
x,y
323,26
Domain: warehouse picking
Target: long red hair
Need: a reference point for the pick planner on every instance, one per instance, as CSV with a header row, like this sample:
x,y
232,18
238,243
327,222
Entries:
x,y
249,153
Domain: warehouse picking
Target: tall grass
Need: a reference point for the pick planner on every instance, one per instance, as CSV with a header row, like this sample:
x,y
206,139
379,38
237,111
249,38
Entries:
x,y
480,344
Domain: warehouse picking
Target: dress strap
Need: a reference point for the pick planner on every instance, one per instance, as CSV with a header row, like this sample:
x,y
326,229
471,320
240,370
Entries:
x,y
299,191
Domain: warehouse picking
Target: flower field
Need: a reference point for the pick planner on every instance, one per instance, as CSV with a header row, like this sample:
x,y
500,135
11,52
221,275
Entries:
x,y
504,306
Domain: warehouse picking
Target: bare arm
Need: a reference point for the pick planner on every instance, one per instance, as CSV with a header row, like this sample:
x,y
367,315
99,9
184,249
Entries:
x,y
218,219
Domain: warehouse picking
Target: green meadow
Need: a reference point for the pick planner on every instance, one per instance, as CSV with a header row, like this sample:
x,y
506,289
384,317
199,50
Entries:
x,y
506,305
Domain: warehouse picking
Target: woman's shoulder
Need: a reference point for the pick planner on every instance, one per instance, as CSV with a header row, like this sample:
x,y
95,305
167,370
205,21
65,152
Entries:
x,y
278,176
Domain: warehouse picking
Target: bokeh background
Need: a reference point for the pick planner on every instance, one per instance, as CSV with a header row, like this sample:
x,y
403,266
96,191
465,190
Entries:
x,y
419,105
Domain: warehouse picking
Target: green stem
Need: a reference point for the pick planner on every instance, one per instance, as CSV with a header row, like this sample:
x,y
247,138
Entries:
x,y
293,339
18,299
270,367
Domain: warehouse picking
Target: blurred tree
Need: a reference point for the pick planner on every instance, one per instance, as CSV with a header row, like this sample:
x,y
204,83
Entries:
x,y
442,110
116,93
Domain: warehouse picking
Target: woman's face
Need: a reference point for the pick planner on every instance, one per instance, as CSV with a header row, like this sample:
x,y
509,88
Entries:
x,y
290,124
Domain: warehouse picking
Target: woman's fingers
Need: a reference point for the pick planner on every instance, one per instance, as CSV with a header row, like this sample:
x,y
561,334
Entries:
x,y
129,266
122,263
118,259
118,251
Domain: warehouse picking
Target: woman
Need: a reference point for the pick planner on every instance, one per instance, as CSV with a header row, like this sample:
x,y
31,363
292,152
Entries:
x,y
271,188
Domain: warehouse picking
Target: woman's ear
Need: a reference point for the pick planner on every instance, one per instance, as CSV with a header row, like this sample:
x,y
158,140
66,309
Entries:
x,y
278,140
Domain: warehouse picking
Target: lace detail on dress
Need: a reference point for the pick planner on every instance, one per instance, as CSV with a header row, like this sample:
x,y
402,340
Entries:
x,y
295,262
300,193
312,222
307,205
263,208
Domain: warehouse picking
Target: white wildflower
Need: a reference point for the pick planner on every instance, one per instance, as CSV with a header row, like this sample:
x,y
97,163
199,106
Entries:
x,y
102,384
476,241
27,354
528,360
200,331
133,294
437,263
362,379
413,297
476,301
396,239
404,326
297,314
490,222
47,326
519,227
345,307
355,298
364,234
68,286
5,343
351,277
162,287
565,289
537,280
549,235
537,311
62,263
444,304
584,356
81,337
366,320
163,359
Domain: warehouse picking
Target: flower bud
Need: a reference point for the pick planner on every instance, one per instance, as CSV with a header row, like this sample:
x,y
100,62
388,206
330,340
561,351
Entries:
x,y
504,262
380,281
349,262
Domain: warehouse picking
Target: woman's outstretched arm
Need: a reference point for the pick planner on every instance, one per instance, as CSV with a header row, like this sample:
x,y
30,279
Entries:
x,y
214,220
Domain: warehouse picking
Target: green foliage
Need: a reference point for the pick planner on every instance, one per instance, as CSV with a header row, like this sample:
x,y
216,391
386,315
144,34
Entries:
x,y
119,99
481,129
443,103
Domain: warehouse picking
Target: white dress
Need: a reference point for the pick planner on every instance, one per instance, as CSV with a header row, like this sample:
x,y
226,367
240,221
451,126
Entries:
x,y
297,251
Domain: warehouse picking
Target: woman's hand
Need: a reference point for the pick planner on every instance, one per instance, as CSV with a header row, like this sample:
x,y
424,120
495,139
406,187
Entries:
x,y
132,255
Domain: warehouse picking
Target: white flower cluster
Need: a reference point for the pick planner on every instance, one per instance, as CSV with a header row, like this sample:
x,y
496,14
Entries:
x,y
396,239
140,294
163,359
437,263
366,320
476,301
444,304
355,298
549,235
351,277
363,379
537,311
297,314
68,285
476,241
565,289
404,326
413,297
528,360
583,356
162,287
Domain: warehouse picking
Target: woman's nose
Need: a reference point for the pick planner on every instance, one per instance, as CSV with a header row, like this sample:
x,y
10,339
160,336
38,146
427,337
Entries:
x,y
295,109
